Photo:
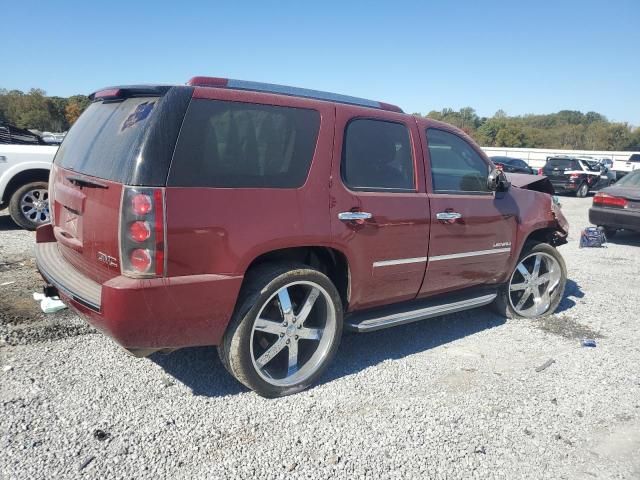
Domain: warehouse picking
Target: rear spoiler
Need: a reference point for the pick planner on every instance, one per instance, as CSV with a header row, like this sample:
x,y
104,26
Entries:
x,y
128,91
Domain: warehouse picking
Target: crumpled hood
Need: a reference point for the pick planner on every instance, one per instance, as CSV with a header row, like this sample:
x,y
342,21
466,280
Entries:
x,y
537,183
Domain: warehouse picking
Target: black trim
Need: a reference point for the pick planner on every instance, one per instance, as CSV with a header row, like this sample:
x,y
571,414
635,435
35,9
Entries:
x,y
160,139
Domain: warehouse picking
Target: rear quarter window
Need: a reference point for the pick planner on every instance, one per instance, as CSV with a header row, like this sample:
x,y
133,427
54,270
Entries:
x,y
243,145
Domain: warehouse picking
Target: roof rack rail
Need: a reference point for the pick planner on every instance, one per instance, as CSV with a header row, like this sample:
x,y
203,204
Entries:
x,y
291,91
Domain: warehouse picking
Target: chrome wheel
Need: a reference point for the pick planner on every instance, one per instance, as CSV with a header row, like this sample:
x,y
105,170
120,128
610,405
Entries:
x,y
535,284
34,205
293,333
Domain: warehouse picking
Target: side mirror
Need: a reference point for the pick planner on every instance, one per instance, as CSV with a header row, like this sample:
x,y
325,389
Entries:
x,y
497,181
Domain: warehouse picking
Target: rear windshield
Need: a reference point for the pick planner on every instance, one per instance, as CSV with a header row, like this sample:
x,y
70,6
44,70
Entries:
x,y
233,144
631,180
563,163
105,140
635,157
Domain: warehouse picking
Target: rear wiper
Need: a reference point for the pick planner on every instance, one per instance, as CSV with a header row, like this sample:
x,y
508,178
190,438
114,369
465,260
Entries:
x,y
83,182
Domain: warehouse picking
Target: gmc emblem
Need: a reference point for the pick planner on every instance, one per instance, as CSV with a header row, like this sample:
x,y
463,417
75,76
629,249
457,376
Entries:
x,y
107,260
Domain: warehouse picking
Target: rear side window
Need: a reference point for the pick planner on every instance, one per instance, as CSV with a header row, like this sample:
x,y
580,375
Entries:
x,y
105,141
236,145
377,156
455,165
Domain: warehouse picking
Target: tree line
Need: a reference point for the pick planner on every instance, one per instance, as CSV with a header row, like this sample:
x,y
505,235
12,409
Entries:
x,y
36,111
566,129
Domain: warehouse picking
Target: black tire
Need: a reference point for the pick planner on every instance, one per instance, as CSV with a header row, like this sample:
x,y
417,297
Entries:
x,y
502,304
261,285
18,214
583,190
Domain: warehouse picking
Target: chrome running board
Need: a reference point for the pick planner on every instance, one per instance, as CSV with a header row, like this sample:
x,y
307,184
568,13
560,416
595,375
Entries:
x,y
385,318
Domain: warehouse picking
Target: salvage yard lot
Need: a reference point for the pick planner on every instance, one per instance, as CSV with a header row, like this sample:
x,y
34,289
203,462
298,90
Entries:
x,y
458,396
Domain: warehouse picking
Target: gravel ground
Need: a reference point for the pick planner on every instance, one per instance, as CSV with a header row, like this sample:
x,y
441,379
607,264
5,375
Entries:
x,y
454,397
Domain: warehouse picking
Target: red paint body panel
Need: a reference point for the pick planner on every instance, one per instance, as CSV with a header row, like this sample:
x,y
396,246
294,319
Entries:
x,y
222,230
86,221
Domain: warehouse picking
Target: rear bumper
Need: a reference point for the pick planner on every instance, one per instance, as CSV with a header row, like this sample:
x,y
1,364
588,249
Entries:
x,y
565,187
143,314
615,218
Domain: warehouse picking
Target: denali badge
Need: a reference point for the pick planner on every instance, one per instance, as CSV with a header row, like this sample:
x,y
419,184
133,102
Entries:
x,y
107,259
501,244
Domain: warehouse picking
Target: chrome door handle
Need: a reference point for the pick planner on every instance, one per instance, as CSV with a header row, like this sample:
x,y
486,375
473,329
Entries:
x,y
448,215
351,216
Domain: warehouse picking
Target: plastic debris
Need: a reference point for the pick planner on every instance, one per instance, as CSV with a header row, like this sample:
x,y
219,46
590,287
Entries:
x,y
4,284
592,237
101,435
588,342
84,464
545,365
49,304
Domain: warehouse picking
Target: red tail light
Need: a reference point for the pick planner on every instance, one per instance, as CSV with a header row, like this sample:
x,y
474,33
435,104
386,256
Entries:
x,y
142,231
540,171
499,166
606,200
141,204
139,231
574,176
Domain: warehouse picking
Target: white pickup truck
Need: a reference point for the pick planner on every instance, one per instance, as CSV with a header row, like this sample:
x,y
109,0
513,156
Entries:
x,y
622,167
24,173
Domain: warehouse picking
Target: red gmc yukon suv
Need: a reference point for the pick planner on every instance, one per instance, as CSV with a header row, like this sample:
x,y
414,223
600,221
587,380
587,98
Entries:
x,y
265,219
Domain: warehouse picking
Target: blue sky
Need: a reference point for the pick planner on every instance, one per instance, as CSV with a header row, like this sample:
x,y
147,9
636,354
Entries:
x,y
522,57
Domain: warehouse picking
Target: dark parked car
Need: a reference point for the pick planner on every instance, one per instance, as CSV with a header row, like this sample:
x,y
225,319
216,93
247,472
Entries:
x,y
618,207
575,175
512,165
263,219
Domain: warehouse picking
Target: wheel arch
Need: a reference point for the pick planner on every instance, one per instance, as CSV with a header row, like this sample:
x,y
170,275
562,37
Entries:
x,y
330,261
22,178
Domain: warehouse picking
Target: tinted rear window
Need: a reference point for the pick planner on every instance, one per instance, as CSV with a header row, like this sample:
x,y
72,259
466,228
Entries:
x,y
106,139
235,145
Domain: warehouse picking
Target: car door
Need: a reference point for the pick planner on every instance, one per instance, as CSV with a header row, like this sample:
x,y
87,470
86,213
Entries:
x,y
472,229
379,208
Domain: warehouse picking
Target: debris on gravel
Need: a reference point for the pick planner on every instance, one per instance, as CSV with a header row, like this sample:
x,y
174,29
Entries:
x,y
451,397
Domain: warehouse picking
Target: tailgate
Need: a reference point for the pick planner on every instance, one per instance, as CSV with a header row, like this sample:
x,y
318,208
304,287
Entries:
x,y
86,215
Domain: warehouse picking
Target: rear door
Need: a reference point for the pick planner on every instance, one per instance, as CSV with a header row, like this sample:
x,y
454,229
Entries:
x,y
379,208
472,228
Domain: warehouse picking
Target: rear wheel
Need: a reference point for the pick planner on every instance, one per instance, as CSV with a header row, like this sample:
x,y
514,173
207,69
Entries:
x,y
582,191
285,332
29,205
536,286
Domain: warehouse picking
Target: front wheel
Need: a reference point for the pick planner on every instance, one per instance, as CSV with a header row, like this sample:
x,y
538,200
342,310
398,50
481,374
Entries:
x,y
286,330
536,286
